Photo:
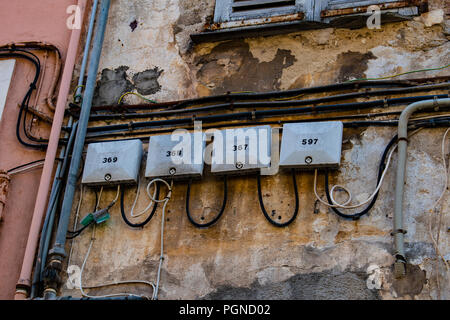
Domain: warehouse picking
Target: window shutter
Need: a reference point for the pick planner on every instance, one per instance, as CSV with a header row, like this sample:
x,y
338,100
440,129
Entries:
x,y
234,10
310,13
336,8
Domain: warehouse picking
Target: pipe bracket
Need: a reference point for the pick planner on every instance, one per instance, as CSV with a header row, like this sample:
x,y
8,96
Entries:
x,y
403,231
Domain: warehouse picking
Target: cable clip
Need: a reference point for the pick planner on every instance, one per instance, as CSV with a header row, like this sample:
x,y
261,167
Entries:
x,y
130,126
398,231
385,103
403,139
435,103
253,115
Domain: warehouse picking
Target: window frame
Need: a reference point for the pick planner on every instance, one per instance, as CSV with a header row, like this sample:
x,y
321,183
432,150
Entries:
x,y
308,10
223,11
314,14
7,72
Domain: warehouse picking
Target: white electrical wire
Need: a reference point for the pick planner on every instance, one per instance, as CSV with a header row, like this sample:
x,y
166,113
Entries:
x,y
76,221
165,200
344,205
35,165
444,164
431,117
111,283
136,198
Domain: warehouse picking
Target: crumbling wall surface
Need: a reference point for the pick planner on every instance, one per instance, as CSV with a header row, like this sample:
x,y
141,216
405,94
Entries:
x,y
319,256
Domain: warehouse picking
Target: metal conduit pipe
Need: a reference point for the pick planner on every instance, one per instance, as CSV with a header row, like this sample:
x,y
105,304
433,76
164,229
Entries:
x,y
87,46
47,228
399,231
24,282
263,113
230,96
52,277
259,104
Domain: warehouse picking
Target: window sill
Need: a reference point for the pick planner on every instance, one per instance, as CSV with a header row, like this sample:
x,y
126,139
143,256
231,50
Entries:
x,y
355,21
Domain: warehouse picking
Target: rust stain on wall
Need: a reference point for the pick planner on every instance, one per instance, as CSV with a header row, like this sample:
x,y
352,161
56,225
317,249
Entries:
x,y
352,65
230,66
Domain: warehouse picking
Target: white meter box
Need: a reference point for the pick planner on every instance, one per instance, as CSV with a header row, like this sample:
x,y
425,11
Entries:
x,y
176,156
311,145
112,162
241,150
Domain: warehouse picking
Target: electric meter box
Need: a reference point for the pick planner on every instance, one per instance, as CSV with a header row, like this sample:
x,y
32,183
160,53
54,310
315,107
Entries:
x,y
113,162
177,156
311,145
241,150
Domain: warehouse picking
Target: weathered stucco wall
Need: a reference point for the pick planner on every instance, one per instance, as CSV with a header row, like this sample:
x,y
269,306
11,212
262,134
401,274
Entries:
x,y
320,256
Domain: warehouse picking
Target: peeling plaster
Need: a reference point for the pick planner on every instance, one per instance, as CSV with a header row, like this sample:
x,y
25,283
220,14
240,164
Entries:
x,y
243,256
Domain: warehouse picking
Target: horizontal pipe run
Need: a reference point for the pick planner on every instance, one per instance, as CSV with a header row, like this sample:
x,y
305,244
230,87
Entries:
x,y
263,113
278,94
258,104
143,135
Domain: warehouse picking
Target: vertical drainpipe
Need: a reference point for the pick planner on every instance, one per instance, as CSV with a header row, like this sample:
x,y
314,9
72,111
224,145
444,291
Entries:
x,y
24,282
86,51
399,231
57,253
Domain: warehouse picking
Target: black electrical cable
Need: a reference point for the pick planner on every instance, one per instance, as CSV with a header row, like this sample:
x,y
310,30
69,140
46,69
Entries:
x,y
381,167
24,126
258,114
285,103
124,216
348,124
76,233
239,96
217,217
24,105
263,209
25,165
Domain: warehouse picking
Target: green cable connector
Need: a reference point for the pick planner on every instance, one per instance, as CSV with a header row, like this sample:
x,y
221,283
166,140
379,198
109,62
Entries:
x,y
98,216
87,220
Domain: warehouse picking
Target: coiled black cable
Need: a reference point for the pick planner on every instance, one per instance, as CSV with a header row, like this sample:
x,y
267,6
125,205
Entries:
x,y
74,234
213,221
24,105
124,216
263,209
382,166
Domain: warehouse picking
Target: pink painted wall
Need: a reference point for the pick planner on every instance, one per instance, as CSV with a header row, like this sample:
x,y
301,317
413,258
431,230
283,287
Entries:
x,y
24,20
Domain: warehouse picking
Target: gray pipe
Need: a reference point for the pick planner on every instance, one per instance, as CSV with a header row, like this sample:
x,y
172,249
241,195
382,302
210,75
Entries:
x,y
51,210
55,193
57,253
78,96
399,231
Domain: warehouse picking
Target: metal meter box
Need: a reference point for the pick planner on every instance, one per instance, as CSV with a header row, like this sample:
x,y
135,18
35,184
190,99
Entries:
x,y
241,150
176,156
112,162
311,145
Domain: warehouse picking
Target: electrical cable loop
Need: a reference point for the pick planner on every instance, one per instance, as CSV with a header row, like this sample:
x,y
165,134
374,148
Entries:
x,y
263,209
152,213
218,216
381,168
